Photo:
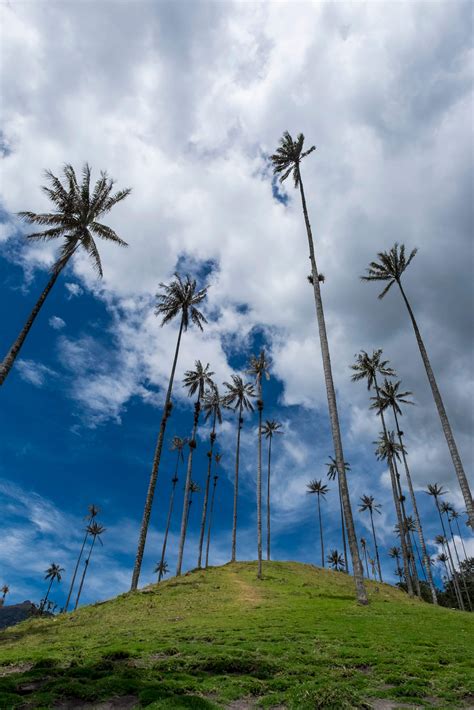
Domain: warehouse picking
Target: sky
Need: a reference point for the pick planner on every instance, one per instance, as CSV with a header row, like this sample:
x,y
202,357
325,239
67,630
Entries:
x,y
184,103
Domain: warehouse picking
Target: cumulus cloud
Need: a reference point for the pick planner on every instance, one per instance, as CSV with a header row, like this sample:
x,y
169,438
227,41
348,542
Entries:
x,y
56,323
33,372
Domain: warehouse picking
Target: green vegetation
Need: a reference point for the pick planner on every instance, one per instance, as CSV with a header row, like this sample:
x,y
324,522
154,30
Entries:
x,y
296,638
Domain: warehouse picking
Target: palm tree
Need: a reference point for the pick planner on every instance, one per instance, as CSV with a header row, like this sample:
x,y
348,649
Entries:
x,y
436,492
238,398
258,368
363,544
336,561
367,368
320,489
270,428
332,473
93,512
177,445
193,488
179,298
390,267
455,516
77,210
446,508
411,528
395,553
5,589
368,503
195,381
286,161
212,408
389,396
161,569
54,572
217,459
95,531
442,557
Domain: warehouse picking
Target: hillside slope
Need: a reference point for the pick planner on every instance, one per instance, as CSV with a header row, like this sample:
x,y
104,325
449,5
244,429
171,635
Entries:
x,y
221,638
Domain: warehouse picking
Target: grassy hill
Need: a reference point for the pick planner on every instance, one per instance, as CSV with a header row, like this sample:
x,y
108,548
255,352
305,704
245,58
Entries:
x,y
223,639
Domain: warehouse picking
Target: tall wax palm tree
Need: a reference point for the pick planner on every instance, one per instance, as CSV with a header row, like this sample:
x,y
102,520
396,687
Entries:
x,y
368,503
179,298
95,531
390,396
446,508
238,398
455,516
436,492
443,542
390,268
332,474
93,511
442,557
54,572
161,569
77,210
395,553
258,368
217,459
269,429
367,368
411,528
336,561
212,409
320,489
193,488
177,444
286,161
363,544
5,589
196,382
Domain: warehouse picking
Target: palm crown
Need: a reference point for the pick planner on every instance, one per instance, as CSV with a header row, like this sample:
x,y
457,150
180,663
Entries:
x,y
258,367
54,572
389,267
288,156
318,487
212,404
77,210
177,444
367,368
435,490
181,297
368,503
387,447
96,529
93,511
239,394
194,487
394,553
332,468
336,560
389,396
162,568
198,379
270,428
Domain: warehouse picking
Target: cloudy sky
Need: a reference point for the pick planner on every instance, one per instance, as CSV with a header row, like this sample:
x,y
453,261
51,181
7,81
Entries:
x,y
184,102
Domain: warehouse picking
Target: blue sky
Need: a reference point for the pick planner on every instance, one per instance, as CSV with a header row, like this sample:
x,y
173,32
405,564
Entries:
x,y
187,124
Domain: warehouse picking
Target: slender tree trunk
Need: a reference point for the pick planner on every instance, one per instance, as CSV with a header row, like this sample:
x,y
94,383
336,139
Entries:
x,y
420,561
321,532
451,576
376,546
47,595
268,494
206,491
86,566
446,570
463,581
462,541
211,512
11,356
75,571
259,481
411,556
396,500
419,528
184,517
343,528
332,406
458,467
168,523
154,469
236,486
366,563
457,589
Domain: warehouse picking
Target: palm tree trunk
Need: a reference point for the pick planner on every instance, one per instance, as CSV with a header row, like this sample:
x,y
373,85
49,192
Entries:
x,y
461,538
463,581
86,566
450,557
154,470
47,595
11,356
411,556
259,481
206,492
236,485
75,571
211,512
458,467
321,531
420,561
343,528
375,545
268,495
184,517
396,500
426,563
366,563
168,523
332,406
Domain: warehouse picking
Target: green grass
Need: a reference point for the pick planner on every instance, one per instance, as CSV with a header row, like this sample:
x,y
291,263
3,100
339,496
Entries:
x,y
296,639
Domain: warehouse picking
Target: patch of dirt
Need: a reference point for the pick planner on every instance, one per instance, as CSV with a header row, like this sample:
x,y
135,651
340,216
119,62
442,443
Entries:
x,y
242,704
248,595
126,702
15,668
385,704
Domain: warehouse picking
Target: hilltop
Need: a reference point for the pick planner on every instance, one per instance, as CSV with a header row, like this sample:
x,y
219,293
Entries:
x,y
223,639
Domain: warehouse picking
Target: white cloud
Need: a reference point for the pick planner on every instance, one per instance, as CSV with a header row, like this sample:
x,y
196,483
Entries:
x,y
33,372
56,323
73,289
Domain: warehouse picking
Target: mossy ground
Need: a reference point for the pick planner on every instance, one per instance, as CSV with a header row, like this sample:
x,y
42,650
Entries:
x,y
296,639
